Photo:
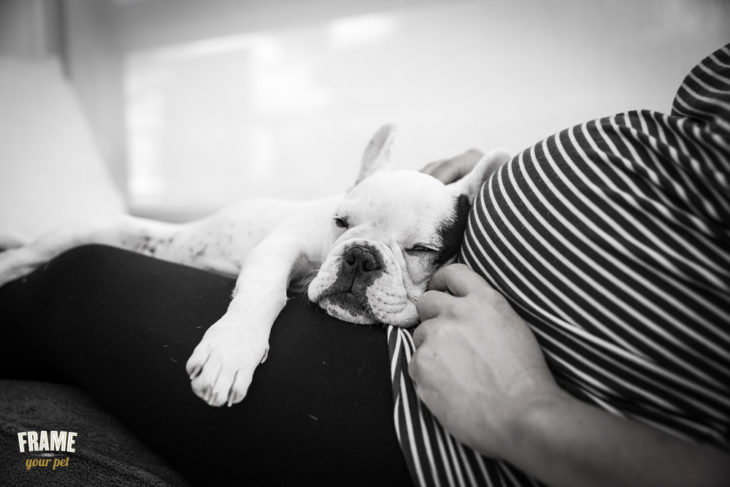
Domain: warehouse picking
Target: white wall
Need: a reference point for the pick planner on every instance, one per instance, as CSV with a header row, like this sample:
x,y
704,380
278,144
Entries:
x,y
93,60
285,110
197,103
80,35
28,29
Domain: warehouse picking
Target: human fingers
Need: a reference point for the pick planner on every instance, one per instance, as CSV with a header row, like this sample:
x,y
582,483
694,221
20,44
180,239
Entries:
x,y
453,169
414,369
456,279
429,168
431,304
449,171
424,347
457,167
422,331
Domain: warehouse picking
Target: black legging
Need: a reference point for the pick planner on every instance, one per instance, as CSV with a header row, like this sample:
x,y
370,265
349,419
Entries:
x,y
121,326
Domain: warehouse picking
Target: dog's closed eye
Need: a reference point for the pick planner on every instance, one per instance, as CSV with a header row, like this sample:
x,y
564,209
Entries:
x,y
420,249
342,222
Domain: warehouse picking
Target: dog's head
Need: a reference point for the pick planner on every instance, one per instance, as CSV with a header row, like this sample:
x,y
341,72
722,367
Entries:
x,y
390,233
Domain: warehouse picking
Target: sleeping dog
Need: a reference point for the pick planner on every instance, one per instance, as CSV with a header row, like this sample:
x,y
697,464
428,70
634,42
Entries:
x,y
374,250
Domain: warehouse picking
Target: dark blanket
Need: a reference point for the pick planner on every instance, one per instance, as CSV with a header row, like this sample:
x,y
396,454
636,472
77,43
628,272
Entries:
x,y
106,453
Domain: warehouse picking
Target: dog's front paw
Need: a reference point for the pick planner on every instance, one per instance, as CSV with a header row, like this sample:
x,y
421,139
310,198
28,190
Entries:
x,y
222,365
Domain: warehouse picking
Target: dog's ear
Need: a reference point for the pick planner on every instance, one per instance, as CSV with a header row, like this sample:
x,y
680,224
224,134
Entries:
x,y
487,165
377,153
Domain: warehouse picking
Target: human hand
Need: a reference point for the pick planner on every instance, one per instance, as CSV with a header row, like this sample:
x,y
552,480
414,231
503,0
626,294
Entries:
x,y
453,169
477,365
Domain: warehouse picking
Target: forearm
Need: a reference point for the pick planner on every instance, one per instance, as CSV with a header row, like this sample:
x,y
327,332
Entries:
x,y
266,272
565,442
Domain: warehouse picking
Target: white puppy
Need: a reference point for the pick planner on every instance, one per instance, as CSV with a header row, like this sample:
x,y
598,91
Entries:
x,y
375,247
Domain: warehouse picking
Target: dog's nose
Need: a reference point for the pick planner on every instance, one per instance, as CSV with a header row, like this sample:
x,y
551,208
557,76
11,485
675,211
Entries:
x,y
361,258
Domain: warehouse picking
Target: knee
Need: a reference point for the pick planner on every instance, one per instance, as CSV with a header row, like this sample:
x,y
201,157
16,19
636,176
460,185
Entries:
x,y
79,258
88,266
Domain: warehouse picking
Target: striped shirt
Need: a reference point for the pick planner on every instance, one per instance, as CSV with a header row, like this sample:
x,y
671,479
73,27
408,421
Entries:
x,y
611,240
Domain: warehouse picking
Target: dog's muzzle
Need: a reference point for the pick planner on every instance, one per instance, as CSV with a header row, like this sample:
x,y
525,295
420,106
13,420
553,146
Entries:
x,y
359,267
360,282
343,292
362,259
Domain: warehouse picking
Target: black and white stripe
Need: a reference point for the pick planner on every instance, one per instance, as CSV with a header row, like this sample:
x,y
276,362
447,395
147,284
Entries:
x,y
612,241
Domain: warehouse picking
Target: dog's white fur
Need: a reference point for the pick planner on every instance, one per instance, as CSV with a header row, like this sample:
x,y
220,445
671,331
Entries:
x,y
372,271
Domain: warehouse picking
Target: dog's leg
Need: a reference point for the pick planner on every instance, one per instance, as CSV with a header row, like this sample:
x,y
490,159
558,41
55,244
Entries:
x,y
222,365
11,239
137,234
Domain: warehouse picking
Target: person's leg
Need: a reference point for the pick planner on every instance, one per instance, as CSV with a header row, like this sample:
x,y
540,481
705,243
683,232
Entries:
x,y
121,326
